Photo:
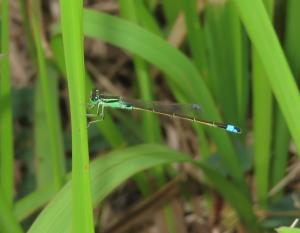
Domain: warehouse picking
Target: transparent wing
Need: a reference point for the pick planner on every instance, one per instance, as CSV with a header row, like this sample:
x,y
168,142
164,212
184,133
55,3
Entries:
x,y
188,110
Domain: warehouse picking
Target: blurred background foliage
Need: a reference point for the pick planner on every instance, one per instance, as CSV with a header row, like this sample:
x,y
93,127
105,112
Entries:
x,y
240,60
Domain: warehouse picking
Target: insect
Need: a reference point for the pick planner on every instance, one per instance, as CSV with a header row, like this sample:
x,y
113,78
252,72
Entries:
x,y
189,112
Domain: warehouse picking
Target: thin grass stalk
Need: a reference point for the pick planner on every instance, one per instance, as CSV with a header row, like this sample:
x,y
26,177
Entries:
x,y
151,4
292,37
262,124
44,157
262,121
196,38
8,222
53,126
221,23
227,61
280,150
71,19
151,126
42,133
195,35
171,9
240,52
149,22
45,163
23,6
6,120
146,17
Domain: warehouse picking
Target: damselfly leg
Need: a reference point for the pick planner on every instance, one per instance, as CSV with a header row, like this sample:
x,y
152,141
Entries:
x,y
97,115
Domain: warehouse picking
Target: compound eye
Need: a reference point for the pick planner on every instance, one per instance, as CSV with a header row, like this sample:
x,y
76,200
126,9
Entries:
x,y
95,95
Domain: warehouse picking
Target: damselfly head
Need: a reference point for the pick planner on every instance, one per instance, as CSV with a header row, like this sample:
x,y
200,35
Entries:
x,y
95,96
196,107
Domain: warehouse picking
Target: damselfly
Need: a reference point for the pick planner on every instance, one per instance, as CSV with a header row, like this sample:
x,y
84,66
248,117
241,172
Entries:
x,y
189,112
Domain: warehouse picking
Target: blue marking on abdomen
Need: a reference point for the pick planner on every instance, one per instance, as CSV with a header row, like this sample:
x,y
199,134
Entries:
x,y
232,129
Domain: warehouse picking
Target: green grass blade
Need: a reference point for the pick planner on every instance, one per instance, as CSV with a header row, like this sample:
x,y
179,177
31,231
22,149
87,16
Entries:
x,y
55,145
6,124
262,123
292,37
134,11
45,162
151,4
8,222
221,30
146,18
33,202
179,70
71,19
263,37
26,27
116,167
195,35
281,146
171,10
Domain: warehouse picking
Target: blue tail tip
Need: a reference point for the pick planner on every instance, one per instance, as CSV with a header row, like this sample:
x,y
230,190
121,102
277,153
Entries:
x,y
233,129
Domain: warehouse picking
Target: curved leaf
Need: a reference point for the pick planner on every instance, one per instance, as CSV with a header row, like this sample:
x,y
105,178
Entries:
x,y
106,174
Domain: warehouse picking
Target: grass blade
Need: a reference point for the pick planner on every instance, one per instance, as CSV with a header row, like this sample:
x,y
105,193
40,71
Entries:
x,y
195,35
223,38
171,10
33,202
51,114
6,124
292,37
47,161
281,146
71,17
8,222
262,118
262,123
151,126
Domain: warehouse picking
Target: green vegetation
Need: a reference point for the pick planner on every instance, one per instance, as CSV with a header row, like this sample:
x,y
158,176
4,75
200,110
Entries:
x,y
240,60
